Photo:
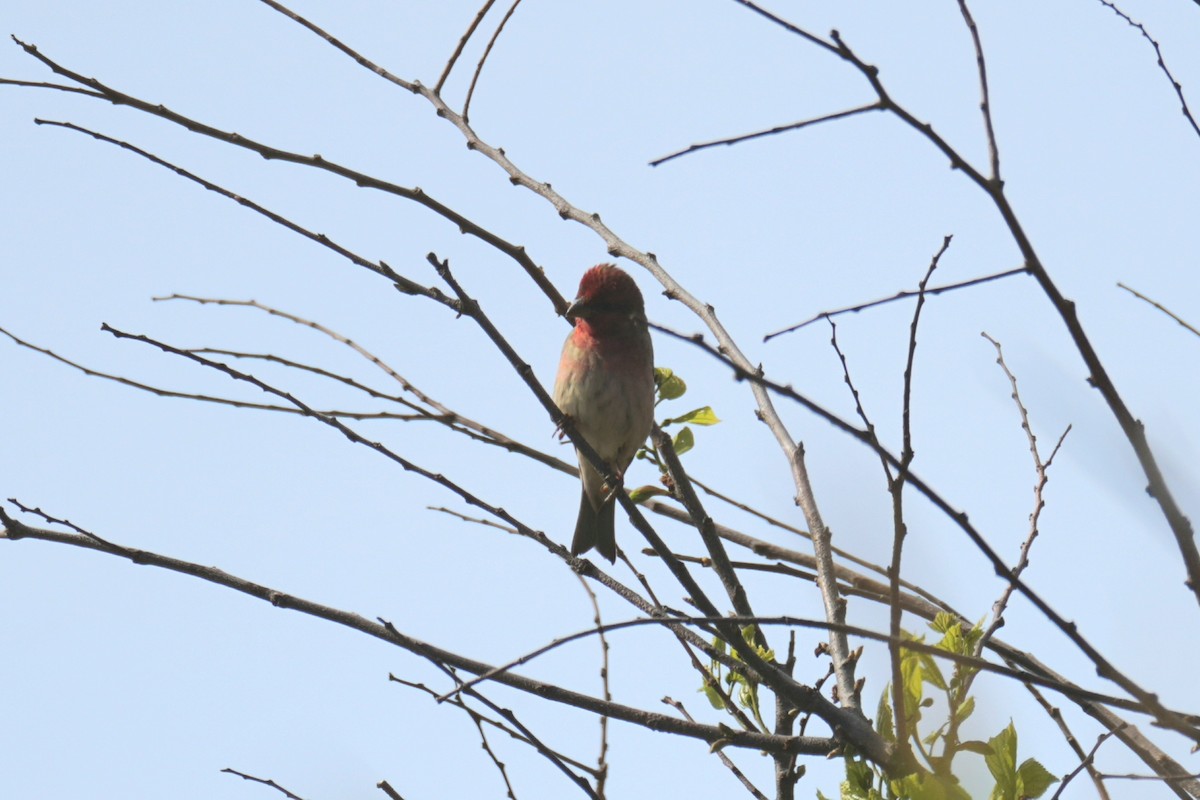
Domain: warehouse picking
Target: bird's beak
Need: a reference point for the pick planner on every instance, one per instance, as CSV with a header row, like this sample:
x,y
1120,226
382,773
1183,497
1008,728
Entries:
x,y
576,310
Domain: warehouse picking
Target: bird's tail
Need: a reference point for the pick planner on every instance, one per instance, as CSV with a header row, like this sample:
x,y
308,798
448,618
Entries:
x,y
596,529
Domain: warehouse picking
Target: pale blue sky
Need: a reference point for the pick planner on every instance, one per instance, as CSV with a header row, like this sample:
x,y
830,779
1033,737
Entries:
x,y
124,681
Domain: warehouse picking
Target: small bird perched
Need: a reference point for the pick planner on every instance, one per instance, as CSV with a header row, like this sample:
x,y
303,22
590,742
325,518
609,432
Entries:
x,y
605,384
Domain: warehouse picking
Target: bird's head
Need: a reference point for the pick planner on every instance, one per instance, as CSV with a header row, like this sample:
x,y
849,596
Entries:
x,y
603,290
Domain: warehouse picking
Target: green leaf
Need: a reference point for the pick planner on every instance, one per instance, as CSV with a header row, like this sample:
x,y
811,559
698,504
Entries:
x,y
912,674
932,738
964,711
697,416
643,493
859,776
684,441
670,385
1033,779
975,746
931,672
927,786
1002,763
714,697
883,717
944,621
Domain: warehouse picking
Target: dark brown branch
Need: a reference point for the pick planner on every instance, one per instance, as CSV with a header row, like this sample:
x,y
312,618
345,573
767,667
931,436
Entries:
x,y
388,633
928,607
1176,85
705,525
402,284
387,789
1099,378
745,137
43,85
417,195
974,662
1165,717
265,782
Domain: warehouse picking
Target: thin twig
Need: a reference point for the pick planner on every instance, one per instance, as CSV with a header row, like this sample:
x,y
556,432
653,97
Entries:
x,y
1176,85
498,724
564,765
985,103
901,740
745,137
1086,759
896,490
386,632
265,782
1065,688
720,753
461,44
1041,469
1086,763
901,295
44,85
601,759
402,284
487,51
1161,308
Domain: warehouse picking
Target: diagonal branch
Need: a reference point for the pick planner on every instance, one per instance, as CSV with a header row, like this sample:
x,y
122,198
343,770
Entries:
x,y
1105,668
386,632
745,137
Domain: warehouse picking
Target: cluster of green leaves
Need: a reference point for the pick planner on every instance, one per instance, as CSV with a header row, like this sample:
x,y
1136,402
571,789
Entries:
x,y
669,386
741,689
938,748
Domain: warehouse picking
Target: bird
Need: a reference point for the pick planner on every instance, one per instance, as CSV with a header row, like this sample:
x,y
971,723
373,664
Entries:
x,y
605,385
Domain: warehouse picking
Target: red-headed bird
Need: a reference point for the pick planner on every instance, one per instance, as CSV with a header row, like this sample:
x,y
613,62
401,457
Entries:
x,y
605,384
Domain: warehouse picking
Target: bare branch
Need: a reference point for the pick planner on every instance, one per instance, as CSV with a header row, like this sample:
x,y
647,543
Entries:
x,y
487,51
461,43
388,633
44,85
1104,667
1176,85
1161,308
745,137
402,284
1086,763
985,103
720,753
1042,476
901,295
387,789
265,782
852,725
